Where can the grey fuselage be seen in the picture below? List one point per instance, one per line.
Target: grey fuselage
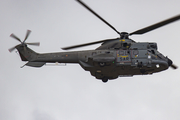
(121, 57)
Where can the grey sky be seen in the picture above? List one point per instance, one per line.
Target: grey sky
(70, 93)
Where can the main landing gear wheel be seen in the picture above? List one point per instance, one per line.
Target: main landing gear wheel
(105, 79)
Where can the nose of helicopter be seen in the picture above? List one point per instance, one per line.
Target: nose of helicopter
(169, 62)
(161, 64)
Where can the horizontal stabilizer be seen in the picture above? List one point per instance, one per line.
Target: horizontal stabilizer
(35, 64)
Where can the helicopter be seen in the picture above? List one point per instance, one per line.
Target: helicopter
(117, 57)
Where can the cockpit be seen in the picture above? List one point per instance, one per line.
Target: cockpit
(155, 54)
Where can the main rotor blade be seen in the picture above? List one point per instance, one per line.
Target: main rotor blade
(15, 37)
(174, 66)
(27, 35)
(83, 4)
(35, 43)
(86, 44)
(157, 25)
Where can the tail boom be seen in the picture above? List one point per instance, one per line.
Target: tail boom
(38, 60)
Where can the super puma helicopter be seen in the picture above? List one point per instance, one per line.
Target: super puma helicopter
(115, 57)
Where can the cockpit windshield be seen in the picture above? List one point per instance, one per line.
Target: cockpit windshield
(160, 55)
(155, 54)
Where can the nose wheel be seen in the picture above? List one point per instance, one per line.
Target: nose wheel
(105, 79)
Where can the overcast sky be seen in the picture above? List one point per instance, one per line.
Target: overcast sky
(69, 92)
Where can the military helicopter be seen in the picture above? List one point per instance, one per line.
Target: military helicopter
(115, 58)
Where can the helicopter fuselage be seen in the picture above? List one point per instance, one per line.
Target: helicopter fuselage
(125, 58)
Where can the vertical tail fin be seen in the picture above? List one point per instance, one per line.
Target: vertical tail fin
(29, 55)
(26, 53)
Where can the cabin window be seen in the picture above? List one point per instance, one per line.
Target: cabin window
(135, 52)
(127, 52)
(121, 52)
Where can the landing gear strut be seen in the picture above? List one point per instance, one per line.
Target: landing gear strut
(105, 79)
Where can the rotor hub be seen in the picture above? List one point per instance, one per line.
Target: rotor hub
(124, 35)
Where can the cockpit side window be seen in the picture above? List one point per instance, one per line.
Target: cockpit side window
(160, 55)
(152, 51)
(153, 54)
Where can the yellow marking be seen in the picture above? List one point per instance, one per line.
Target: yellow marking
(124, 56)
(122, 40)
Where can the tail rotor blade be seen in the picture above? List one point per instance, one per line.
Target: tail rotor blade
(27, 35)
(15, 37)
(23, 44)
(35, 43)
(11, 49)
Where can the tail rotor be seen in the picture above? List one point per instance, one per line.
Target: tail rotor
(23, 43)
